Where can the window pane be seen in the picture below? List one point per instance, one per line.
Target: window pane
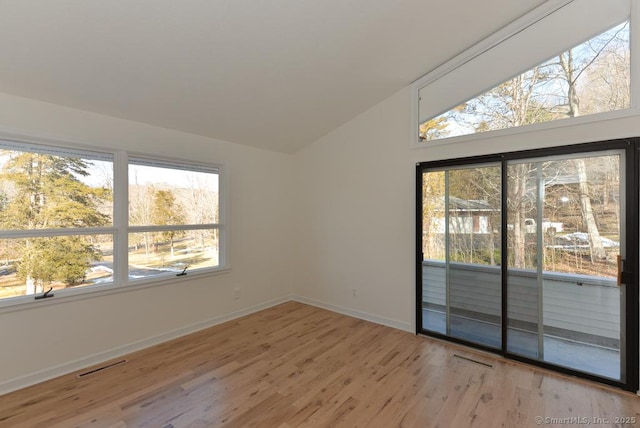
(169, 252)
(45, 191)
(433, 215)
(579, 219)
(461, 276)
(160, 196)
(565, 221)
(30, 266)
(590, 78)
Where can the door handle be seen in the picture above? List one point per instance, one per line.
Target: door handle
(620, 268)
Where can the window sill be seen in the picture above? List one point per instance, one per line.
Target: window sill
(21, 303)
(527, 129)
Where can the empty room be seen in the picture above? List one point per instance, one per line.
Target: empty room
(319, 213)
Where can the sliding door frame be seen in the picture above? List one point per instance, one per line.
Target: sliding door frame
(630, 275)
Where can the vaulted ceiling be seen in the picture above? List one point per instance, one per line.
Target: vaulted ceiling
(274, 74)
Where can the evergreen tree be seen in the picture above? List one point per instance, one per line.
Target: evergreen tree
(166, 212)
(47, 193)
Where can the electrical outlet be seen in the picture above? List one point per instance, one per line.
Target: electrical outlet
(236, 293)
(354, 292)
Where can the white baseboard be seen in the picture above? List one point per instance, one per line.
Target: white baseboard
(91, 360)
(400, 325)
(81, 363)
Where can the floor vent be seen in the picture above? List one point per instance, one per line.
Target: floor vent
(472, 360)
(101, 368)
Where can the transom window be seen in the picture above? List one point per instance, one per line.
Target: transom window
(590, 78)
(583, 72)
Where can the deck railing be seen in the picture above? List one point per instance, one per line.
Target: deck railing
(579, 307)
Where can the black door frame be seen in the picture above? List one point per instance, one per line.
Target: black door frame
(631, 147)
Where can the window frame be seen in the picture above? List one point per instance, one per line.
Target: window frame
(144, 160)
(495, 41)
(120, 228)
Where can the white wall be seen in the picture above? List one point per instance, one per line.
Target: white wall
(51, 337)
(356, 192)
(336, 217)
(356, 201)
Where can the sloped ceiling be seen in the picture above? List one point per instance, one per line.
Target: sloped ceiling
(274, 74)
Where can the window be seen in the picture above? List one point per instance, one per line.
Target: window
(173, 218)
(590, 78)
(458, 224)
(63, 220)
(568, 74)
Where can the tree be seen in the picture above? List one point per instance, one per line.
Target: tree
(201, 198)
(433, 129)
(516, 210)
(47, 193)
(560, 88)
(64, 259)
(479, 185)
(573, 67)
(596, 247)
(140, 208)
(592, 77)
(433, 215)
(608, 80)
(166, 212)
(596, 75)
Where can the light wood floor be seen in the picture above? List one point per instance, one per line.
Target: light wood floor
(294, 365)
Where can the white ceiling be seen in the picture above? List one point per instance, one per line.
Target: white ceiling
(275, 74)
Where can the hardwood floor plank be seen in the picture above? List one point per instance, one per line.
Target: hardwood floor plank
(295, 365)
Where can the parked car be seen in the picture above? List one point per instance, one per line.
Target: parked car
(580, 240)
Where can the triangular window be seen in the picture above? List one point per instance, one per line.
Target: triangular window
(592, 77)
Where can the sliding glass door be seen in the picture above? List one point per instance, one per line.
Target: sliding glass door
(533, 255)
(461, 248)
(564, 216)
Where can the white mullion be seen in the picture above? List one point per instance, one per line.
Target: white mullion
(121, 218)
(223, 225)
(170, 227)
(44, 233)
